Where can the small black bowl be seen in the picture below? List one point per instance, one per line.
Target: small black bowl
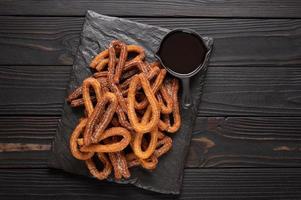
(185, 78)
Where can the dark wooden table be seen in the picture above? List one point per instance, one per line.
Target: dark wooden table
(247, 139)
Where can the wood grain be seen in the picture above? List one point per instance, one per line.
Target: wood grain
(24, 130)
(246, 142)
(237, 42)
(217, 142)
(33, 89)
(39, 41)
(205, 8)
(19, 147)
(228, 91)
(18, 129)
(253, 91)
(276, 183)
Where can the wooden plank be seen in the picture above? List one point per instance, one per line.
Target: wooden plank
(253, 91)
(39, 41)
(246, 142)
(27, 129)
(228, 91)
(206, 8)
(237, 42)
(33, 89)
(33, 133)
(271, 183)
(217, 142)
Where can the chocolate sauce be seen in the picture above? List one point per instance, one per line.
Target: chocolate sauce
(182, 52)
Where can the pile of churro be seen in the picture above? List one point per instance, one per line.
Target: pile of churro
(130, 107)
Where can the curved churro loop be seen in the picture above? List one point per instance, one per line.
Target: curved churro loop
(163, 97)
(139, 127)
(73, 142)
(163, 146)
(130, 48)
(74, 98)
(80, 102)
(151, 162)
(86, 93)
(106, 117)
(137, 144)
(112, 147)
(176, 110)
(99, 119)
(122, 58)
(155, 87)
(165, 125)
(107, 167)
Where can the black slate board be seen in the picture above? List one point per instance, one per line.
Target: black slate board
(98, 31)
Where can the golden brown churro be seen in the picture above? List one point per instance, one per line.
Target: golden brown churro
(129, 104)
